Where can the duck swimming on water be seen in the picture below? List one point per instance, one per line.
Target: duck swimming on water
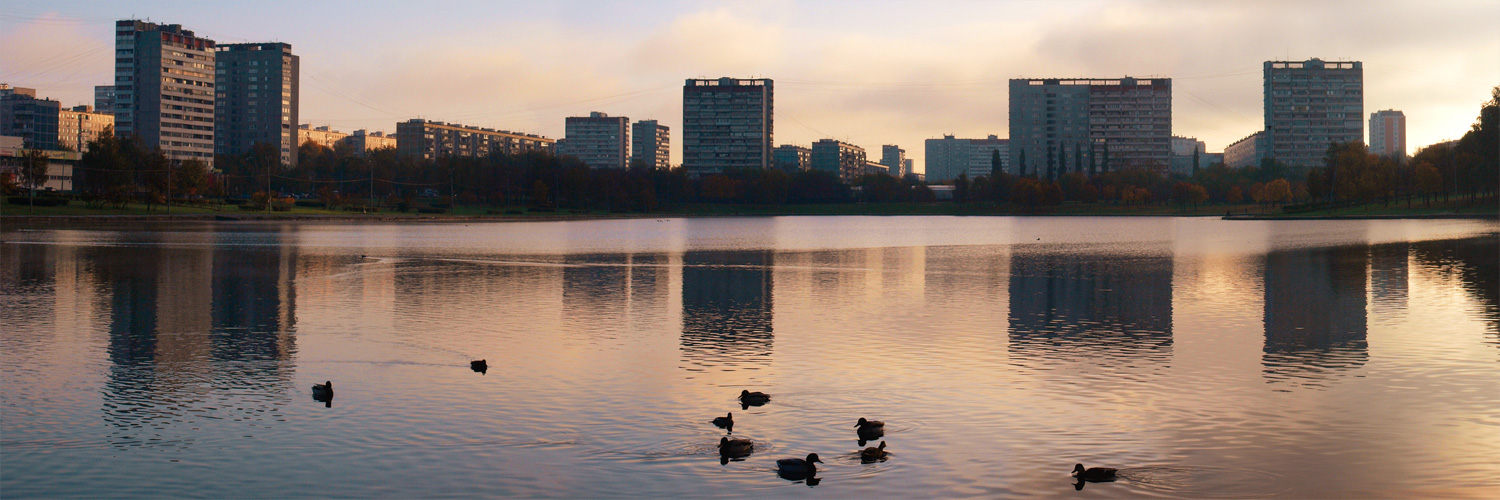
(1094, 474)
(799, 466)
(868, 430)
(479, 366)
(873, 453)
(724, 421)
(748, 399)
(735, 447)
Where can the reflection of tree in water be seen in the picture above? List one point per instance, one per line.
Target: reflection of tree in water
(726, 307)
(1314, 314)
(1476, 264)
(1114, 310)
(196, 337)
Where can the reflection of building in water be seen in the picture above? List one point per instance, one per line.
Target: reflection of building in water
(1474, 263)
(726, 307)
(254, 300)
(606, 294)
(1315, 313)
(1090, 306)
(1388, 274)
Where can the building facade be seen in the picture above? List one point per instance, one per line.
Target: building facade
(907, 167)
(651, 144)
(322, 136)
(1246, 152)
(79, 126)
(948, 157)
(257, 98)
(59, 163)
(838, 157)
(892, 156)
(792, 158)
(164, 88)
(1388, 134)
(1310, 105)
(104, 99)
(982, 156)
(1058, 125)
(727, 123)
(34, 120)
(1185, 151)
(598, 140)
(428, 139)
(363, 142)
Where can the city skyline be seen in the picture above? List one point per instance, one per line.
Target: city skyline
(943, 70)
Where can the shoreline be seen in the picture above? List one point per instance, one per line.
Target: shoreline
(107, 218)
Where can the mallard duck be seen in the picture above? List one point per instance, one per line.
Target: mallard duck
(873, 453)
(724, 421)
(735, 447)
(869, 429)
(479, 366)
(801, 466)
(323, 390)
(754, 398)
(1094, 474)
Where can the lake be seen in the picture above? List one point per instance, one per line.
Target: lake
(1202, 357)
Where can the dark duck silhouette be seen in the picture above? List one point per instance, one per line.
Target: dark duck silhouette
(735, 447)
(323, 393)
(725, 422)
(748, 399)
(873, 453)
(479, 366)
(1094, 474)
(869, 430)
(798, 468)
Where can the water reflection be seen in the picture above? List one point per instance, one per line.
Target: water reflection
(726, 308)
(1107, 309)
(1475, 263)
(1314, 314)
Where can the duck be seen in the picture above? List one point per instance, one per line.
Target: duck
(735, 447)
(1094, 474)
(873, 453)
(323, 390)
(869, 429)
(724, 421)
(479, 366)
(754, 398)
(799, 466)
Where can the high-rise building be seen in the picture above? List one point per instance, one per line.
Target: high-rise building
(1310, 105)
(428, 139)
(892, 156)
(1388, 133)
(1246, 152)
(257, 92)
(1113, 124)
(792, 158)
(79, 126)
(726, 123)
(840, 158)
(598, 140)
(651, 144)
(950, 156)
(164, 88)
(33, 120)
(907, 167)
(104, 99)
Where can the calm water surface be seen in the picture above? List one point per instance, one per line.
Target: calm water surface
(1205, 358)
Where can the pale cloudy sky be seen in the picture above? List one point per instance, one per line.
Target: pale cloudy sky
(868, 72)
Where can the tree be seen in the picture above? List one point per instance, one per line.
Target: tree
(1278, 191)
(1023, 163)
(995, 169)
(961, 188)
(33, 173)
(191, 178)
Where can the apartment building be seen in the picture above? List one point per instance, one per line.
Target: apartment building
(432, 139)
(164, 88)
(257, 93)
(1310, 105)
(727, 123)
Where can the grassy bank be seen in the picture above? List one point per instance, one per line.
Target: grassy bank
(134, 210)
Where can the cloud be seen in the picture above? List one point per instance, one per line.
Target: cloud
(711, 43)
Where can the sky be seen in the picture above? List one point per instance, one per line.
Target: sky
(871, 72)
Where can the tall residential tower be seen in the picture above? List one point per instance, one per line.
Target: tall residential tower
(1310, 105)
(651, 143)
(726, 123)
(257, 89)
(1060, 125)
(1388, 133)
(164, 88)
